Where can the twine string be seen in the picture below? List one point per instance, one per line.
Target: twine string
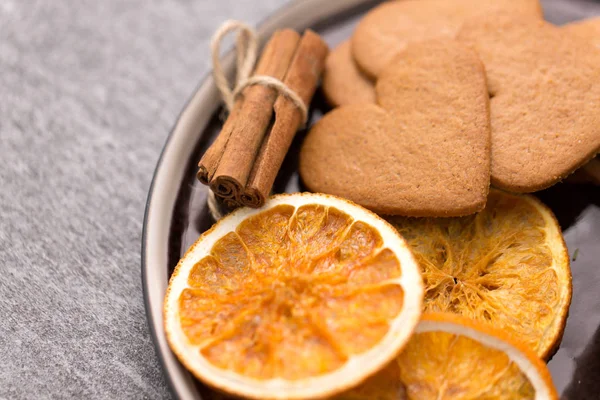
(246, 54)
(213, 206)
(246, 48)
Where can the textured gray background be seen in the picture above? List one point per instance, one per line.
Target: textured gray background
(88, 93)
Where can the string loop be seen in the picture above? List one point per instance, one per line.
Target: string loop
(246, 54)
(213, 206)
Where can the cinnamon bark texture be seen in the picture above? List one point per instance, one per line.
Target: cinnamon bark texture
(302, 77)
(212, 156)
(253, 118)
(242, 163)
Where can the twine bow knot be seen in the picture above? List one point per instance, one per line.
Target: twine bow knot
(246, 53)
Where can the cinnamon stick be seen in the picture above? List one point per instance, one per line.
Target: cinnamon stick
(209, 161)
(231, 203)
(302, 77)
(254, 116)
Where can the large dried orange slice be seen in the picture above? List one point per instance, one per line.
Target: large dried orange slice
(302, 298)
(450, 357)
(507, 265)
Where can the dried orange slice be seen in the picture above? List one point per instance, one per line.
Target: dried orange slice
(451, 357)
(507, 265)
(303, 298)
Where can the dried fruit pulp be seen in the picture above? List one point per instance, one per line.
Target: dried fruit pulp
(506, 265)
(452, 358)
(440, 365)
(315, 281)
(443, 366)
(457, 367)
(295, 292)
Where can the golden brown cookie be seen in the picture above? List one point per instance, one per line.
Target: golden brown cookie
(423, 150)
(545, 105)
(386, 29)
(343, 82)
(588, 29)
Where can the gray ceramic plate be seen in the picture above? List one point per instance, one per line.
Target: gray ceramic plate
(176, 211)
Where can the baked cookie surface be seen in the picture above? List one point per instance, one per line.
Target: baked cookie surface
(389, 27)
(588, 29)
(423, 150)
(545, 99)
(343, 83)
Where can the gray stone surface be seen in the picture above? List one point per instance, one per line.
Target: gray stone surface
(88, 93)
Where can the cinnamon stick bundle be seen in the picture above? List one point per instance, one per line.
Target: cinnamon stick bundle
(302, 77)
(242, 163)
(226, 164)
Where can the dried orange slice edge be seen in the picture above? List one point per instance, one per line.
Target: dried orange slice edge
(356, 368)
(450, 357)
(507, 265)
(528, 362)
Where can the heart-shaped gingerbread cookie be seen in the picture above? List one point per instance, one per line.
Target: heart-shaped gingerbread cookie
(424, 150)
(545, 105)
(343, 83)
(587, 29)
(389, 27)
